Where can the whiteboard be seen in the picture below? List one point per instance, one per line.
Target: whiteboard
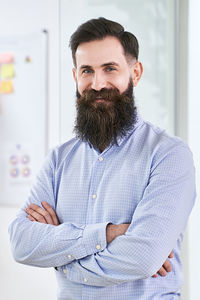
(23, 116)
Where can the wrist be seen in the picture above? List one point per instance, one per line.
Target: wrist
(110, 232)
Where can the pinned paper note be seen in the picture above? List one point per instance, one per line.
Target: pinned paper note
(6, 58)
(28, 59)
(7, 71)
(6, 87)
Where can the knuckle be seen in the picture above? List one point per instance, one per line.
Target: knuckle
(56, 222)
(169, 268)
(164, 273)
(168, 265)
(46, 214)
(32, 213)
(51, 211)
(40, 218)
(33, 206)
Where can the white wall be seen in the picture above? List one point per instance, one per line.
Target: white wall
(194, 142)
(18, 17)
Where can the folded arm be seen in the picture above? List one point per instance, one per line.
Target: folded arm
(157, 223)
(46, 245)
(158, 220)
(48, 216)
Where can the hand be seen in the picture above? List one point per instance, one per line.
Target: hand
(45, 215)
(112, 231)
(166, 267)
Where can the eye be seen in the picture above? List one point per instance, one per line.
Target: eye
(86, 71)
(110, 69)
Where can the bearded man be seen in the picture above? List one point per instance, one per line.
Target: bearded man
(109, 207)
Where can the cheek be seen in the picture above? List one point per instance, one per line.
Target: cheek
(121, 83)
(121, 80)
(82, 85)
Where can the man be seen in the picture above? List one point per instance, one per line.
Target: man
(109, 206)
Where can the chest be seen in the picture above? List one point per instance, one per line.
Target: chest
(99, 190)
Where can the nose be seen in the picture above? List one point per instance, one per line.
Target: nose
(98, 82)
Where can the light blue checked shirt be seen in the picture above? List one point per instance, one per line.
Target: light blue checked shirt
(146, 180)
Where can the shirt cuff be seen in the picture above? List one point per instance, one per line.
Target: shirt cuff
(92, 240)
(94, 237)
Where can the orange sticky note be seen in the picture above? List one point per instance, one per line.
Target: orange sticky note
(6, 87)
(7, 71)
(6, 58)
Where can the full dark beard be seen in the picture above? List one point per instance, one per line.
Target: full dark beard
(102, 123)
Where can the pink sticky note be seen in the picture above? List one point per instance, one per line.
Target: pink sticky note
(6, 58)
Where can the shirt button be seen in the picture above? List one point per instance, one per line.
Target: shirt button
(94, 196)
(69, 256)
(64, 271)
(100, 158)
(98, 247)
(85, 280)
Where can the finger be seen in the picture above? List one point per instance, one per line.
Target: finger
(171, 255)
(51, 212)
(36, 215)
(162, 272)
(30, 218)
(42, 212)
(155, 275)
(167, 266)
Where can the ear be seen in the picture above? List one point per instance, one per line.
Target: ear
(137, 70)
(74, 74)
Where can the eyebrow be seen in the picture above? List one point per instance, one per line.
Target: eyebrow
(85, 67)
(103, 65)
(110, 64)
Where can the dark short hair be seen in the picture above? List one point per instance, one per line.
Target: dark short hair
(98, 29)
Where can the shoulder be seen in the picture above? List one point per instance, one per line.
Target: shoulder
(159, 139)
(57, 155)
(164, 147)
(154, 144)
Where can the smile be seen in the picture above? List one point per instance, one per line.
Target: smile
(100, 100)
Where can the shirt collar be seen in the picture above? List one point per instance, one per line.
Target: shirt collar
(138, 122)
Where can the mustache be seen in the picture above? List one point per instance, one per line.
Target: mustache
(90, 96)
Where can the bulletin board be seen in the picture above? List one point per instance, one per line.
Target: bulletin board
(23, 113)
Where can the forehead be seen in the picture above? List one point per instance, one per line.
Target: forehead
(99, 52)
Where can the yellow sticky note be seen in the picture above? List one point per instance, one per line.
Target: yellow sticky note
(7, 71)
(6, 87)
(6, 58)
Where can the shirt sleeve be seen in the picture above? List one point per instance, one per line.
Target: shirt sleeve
(45, 245)
(158, 221)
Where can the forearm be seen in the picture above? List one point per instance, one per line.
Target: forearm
(45, 245)
(126, 258)
(113, 231)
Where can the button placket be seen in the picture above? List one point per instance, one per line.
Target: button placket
(96, 174)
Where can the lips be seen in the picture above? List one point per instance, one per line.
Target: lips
(100, 100)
